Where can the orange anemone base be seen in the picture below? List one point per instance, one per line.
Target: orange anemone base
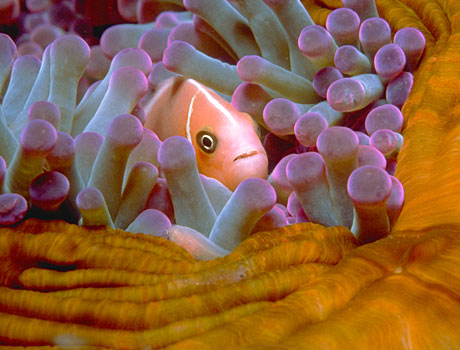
(302, 286)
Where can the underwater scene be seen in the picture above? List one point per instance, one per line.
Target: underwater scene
(229, 174)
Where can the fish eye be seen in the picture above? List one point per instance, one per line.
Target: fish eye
(207, 141)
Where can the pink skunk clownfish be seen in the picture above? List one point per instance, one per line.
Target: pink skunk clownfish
(226, 141)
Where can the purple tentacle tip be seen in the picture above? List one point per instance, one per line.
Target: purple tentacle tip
(13, 208)
(39, 137)
(49, 190)
(175, 153)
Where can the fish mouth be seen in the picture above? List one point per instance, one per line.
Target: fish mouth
(246, 155)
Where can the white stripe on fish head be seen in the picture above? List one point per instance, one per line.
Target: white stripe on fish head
(189, 117)
(214, 102)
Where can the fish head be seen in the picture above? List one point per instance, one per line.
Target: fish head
(226, 141)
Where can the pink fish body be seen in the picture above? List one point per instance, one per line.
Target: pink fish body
(226, 141)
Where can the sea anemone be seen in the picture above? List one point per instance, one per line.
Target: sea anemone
(79, 152)
(297, 78)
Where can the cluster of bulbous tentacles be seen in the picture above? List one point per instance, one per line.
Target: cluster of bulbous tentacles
(327, 100)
